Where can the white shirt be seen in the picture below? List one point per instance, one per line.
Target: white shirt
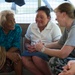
(51, 33)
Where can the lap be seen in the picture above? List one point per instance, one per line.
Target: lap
(56, 64)
(39, 54)
(8, 66)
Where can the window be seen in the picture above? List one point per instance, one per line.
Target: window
(52, 4)
(23, 14)
(27, 12)
(73, 2)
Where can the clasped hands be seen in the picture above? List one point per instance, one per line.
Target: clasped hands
(15, 57)
(38, 46)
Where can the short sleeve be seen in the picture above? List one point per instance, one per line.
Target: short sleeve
(63, 38)
(27, 35)
(56, 34)
(71, 37)
(16, 40)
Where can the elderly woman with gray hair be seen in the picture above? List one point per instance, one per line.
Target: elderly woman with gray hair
(10, 34)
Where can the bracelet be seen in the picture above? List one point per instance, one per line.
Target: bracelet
(43, 49)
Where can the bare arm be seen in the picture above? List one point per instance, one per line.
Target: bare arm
(61, 53)
(54, 45)
(13, 49)
(26, 43)
(28, 46)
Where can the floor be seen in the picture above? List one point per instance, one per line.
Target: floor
(25, 72)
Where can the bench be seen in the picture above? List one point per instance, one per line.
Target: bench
(24, 29)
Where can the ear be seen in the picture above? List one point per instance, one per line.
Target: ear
(49, 18)
(63, 14)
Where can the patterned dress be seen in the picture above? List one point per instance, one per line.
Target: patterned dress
(12, 39)
(68, 38)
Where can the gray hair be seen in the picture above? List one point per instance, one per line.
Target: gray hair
(3, 15)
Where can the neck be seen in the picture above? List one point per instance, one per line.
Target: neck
(42, 28)
(69, 23)
(5, 31)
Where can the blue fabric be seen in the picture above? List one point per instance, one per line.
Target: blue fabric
(12, 39)
(39, 54)
(18, 2)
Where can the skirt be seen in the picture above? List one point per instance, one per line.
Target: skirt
(39, 54)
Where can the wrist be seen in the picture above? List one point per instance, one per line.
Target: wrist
(43, 49)
(8, 54)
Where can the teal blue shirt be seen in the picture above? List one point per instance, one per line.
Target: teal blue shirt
(12, 39)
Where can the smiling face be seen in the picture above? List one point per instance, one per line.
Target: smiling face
(42, 19)
(60, 17)
(65, 14)
(9, 23)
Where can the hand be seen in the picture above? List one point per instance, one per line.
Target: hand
(39, 45)
(70, 63)
(31, 48)
(15, 57)
(69, 69)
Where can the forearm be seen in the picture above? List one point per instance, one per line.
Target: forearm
(13, 49)
(54, 45)
(26, 45)
(53, 52)
(61, 53)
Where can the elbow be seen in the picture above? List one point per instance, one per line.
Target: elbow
(63, 56)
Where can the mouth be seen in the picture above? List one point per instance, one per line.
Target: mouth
(13, 27)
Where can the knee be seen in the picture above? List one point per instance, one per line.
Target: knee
(37, 59)
(25, 59)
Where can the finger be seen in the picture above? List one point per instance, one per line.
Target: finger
(19, 56)
(66, 67)
(61, 73)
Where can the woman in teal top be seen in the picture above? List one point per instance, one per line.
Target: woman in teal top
(10, 34)
(12, 39)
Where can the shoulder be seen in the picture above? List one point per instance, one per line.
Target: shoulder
(33, 25)
(0, 28)
(18, 28)
(53, 25)
(72, 29)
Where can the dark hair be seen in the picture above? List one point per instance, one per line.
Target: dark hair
(45, 9)
(68, 8)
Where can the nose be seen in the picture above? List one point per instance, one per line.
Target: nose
(38, 19)
(13, 21)
(56, 19)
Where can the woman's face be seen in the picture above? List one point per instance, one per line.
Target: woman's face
(10, 22)
(60, 18)
(42, 19)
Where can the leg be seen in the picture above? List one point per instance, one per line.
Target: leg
(28, 63)
(18, 67)
(42, 65)
(57, 64)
